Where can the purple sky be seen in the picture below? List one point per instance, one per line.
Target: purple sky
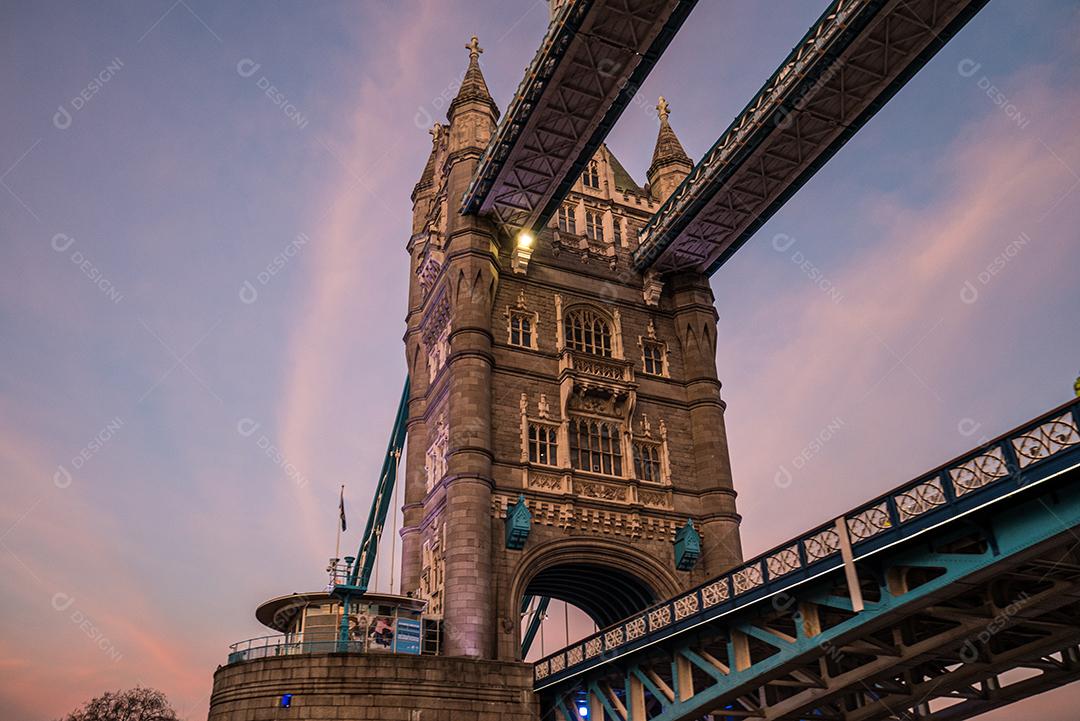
(148, 180)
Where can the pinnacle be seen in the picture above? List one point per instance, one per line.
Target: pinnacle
(668, 148)
(473, 86)
(427, 177)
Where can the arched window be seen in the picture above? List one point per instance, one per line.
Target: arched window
(596, 446)
(647, 462)
(594, 225)
(567, 223)
(521, 329)
(591, 177)
(543, 444)
(588, 332)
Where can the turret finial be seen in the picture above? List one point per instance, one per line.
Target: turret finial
(663, 110)
(474, 48)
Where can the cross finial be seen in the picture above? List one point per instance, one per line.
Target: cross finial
(662, 109)
(474, 48)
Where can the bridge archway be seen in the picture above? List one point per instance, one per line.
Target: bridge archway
(606, 580)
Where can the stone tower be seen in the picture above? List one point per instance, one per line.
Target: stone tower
(552, 370)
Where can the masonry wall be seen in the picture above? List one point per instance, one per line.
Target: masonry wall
(474, 395)
(389, 688)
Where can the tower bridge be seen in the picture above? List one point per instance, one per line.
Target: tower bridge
(563, 434)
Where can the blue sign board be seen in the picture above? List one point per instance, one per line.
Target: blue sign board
(407, 638)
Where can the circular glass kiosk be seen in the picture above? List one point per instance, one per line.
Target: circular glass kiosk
(310, 623)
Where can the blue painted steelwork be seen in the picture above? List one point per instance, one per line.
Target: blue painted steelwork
(518, 524)
(1016, 529)
(360, 572)
(534, 622)
(989, 487)
(687, 547)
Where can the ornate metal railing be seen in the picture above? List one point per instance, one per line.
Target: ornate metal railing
(1028, 455)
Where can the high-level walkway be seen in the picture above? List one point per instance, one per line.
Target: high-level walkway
(850, 63)
(589, 66)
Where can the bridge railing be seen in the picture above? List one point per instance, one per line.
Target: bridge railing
(1029, 454)
(281, 645)
(294, 644)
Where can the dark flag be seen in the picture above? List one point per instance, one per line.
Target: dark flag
(341, 508)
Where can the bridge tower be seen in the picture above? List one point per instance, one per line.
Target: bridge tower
(546, 371)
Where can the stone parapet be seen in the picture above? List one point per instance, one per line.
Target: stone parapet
(369, 686)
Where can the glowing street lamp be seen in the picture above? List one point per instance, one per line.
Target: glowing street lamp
(523, 248)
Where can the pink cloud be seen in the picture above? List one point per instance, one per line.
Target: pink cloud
(996, 182)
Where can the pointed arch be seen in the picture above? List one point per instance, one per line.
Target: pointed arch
(588, 329)
(689, 339)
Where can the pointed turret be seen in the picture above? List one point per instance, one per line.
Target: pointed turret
(473, 87)
(427, 177)
(670, 163)
(424, 191)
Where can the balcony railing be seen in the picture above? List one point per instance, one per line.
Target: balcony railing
(601, 368)
(279, 645)
(295, 644)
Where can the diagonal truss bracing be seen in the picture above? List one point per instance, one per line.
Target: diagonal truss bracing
(593, 59)
(856, 56)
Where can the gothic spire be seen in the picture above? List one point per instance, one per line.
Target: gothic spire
(473, 87)
(668, 148)
(670, 163)
(427, 178)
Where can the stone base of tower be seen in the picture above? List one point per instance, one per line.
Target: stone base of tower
(369, 686)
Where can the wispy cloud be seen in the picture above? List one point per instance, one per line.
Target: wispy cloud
(906, 341)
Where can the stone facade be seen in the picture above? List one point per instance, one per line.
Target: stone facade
(358, 686)
(568, 378)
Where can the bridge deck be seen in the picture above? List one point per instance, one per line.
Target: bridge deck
(963, 574)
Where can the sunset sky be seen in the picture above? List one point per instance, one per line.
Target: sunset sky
(203, 289)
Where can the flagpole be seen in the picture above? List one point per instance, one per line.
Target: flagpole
(337, 545)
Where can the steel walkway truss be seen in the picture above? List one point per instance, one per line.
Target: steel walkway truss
(593, 59)
(852, 61)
